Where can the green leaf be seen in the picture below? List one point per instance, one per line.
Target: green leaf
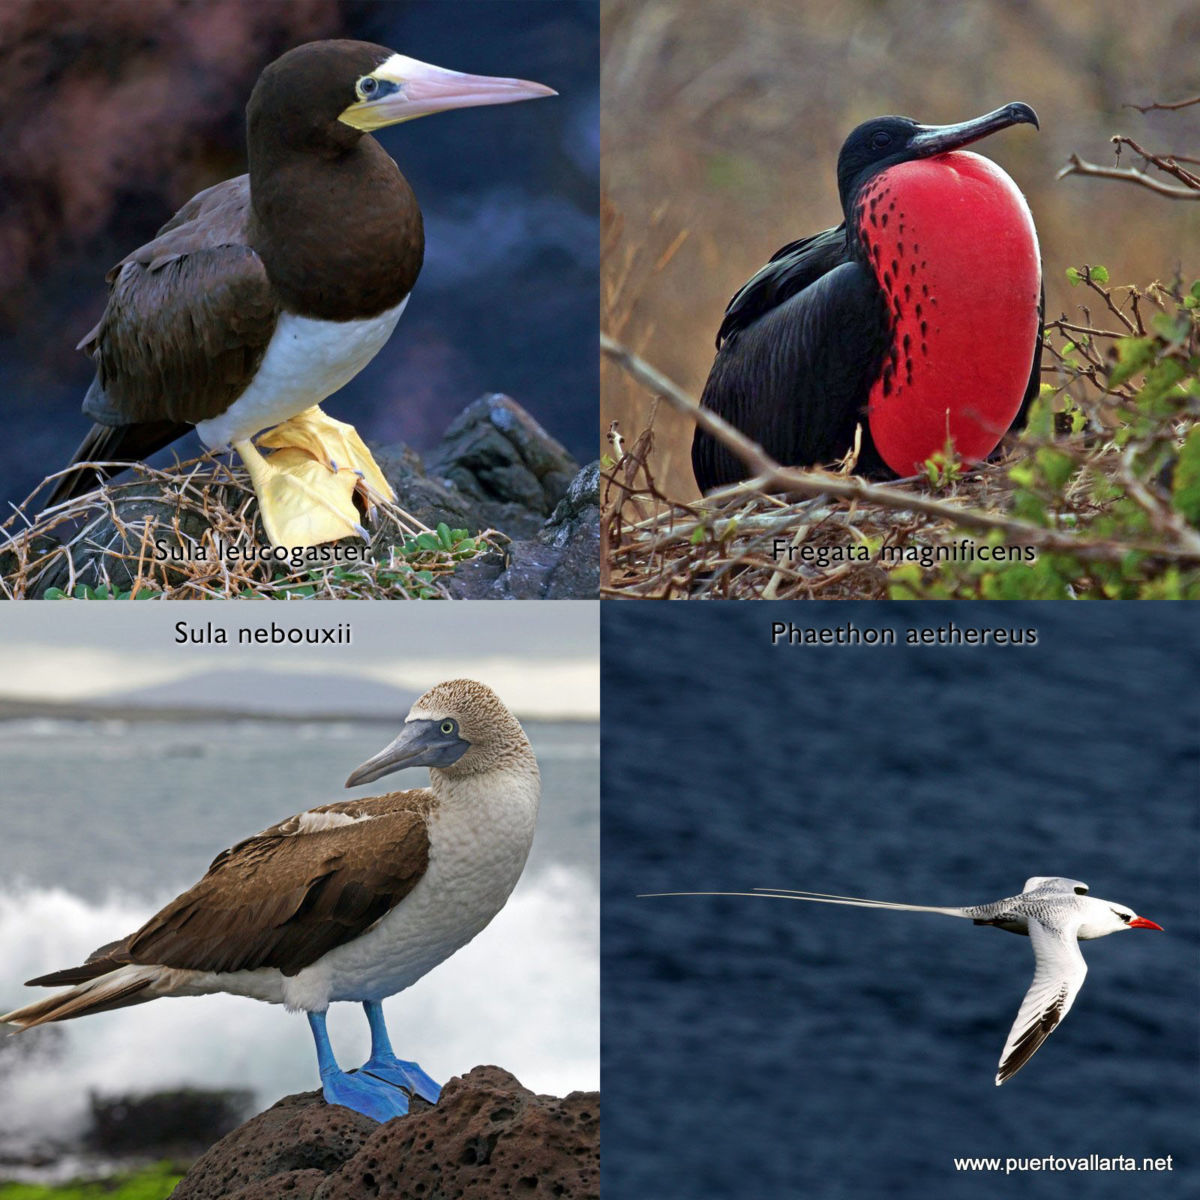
(1056, 467)
(1100, 274)
(1073, 277)
(1185, 490)
(1133, 354)
(1040, 421)
(1160, 383)
(428, 541)
(443, 533)
(1172, 328)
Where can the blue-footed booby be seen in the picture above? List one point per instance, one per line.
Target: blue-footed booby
(267, 293)
(350, 901)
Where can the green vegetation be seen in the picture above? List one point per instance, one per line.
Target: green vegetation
(1110, 457)
(418, 561)
(151, 1183)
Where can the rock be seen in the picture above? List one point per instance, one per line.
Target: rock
(561, 563)
(176, 1123)
(495, 469)
(487, 1137)
(497, 454)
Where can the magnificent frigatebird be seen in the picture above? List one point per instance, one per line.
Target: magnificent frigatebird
(266, 293)
(918, 317)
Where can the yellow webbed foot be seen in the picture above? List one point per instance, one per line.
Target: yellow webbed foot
(330, 442)
(300, 500)
(306, 487)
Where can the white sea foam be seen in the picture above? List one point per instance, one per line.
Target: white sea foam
(524, 995)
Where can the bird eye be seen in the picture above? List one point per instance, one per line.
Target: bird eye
(880, 138)
(367, 86)
(1081, 891)
(447, 726)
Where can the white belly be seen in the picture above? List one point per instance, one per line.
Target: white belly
(477, 853)
(306, 360)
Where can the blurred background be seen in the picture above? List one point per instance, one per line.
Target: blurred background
(114, 115)
(722, 124)
(757, 1047)
(130, 760)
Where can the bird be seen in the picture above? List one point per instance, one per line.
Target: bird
(351, 901)
(267, 293)
(915, 323)
(1055, 913)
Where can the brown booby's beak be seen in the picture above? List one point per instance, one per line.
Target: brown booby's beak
(403, 88)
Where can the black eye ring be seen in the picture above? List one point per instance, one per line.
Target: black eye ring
(880, 138)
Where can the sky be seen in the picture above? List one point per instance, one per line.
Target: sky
(542, 659)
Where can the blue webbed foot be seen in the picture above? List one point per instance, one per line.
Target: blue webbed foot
(366, 1095)
(402, 1074)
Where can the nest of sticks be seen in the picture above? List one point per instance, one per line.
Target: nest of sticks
(168, 533)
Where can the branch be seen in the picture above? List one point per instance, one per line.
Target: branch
(1077, 166)
(1144, 108)
(767, 475)
(1164, 162)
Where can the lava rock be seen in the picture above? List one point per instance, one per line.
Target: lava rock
(498, 455)
(487, 1137)
(560, 563)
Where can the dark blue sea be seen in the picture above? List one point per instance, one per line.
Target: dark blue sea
(762, 1048)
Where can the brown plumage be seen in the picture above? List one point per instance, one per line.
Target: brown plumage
(347, 902)
(281, 898)
(324, 225)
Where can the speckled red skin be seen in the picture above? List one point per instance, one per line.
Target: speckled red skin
(952, 243)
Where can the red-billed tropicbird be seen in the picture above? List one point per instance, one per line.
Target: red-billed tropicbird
(1056, 914)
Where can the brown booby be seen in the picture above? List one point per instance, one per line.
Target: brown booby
(266, 293)
(350, 901)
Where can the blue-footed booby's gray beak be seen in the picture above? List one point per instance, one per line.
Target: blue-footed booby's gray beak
(420, 744)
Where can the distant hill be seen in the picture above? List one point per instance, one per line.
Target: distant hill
(270, 693)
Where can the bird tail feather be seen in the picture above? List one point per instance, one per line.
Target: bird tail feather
(116, 989)
(119, 446)
(821, 898)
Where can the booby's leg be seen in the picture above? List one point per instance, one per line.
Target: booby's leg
(383, 1064)
(301, 501)
(361, 1093)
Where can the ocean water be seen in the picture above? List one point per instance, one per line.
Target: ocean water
(103, 822)
(757, 1047)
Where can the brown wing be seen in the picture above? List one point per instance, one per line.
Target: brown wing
(188, 321)
(285, 896)
(284, 900)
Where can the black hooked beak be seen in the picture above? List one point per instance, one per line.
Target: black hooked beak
(941, 139)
